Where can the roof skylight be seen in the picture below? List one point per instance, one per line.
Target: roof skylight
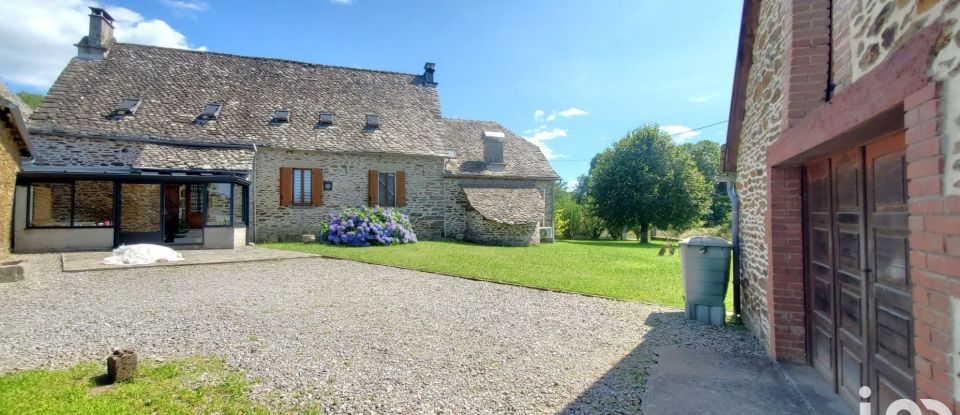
(281, 115)
(326, 118)
(373, 120)
(211, 111)
(128, 106)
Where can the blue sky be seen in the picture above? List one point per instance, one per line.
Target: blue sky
(600, 68)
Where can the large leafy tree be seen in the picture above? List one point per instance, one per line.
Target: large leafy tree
(644, 179)
(706, 154)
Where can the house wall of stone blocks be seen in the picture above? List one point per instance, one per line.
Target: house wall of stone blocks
(9, 166)
(786, 87)
(425, 195)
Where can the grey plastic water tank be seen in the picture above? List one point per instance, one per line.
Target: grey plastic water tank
(705, 265)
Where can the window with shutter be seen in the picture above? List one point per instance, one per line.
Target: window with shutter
(372, 179)
(387, 190)
(302, 187)
(401, 188)
(286, 186)
(316, 189)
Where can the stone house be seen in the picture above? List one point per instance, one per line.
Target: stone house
(146, 144)
(844, 139)
(14, 143)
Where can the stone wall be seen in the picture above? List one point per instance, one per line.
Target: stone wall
(9, 166)
(762, 124)
(425, 196)
(457, 207)
(487, 232)
(883, 26)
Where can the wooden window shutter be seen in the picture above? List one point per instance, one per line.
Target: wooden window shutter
(401, 193)
(373, 179)
(286, 186)
(316, 187)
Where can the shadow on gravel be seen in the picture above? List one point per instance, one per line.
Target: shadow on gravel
(621, 389)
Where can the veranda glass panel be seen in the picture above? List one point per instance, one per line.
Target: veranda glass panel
(50, 204)
(218, 204)
(140, 209)
(93, 203)
(239, 201)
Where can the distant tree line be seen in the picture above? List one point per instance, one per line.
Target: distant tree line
(644, 180)
(33, 100)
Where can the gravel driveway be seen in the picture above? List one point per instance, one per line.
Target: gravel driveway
(352, 337)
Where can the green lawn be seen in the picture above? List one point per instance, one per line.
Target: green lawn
(190, 386)
(617, 269)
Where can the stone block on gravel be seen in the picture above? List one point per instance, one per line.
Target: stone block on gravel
(11, 271)
(121, 365)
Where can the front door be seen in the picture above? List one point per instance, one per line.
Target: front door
(168, 213)
(859, 307)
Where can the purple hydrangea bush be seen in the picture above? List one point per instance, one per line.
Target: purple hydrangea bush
(365, 226)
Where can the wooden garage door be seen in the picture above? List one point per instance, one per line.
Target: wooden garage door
(859, 307)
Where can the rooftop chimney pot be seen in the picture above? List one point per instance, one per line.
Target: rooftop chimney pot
(96, 44)
(428, 69)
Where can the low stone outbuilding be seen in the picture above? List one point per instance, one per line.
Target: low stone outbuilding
(504, 216)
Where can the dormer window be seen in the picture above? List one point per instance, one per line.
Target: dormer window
(128, 106)
(211, 111)
(281, 116)
(373, 120)
(493, 150)
(326, 118)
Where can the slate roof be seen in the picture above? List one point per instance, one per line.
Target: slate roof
(8, 95)
(54, 151)
(13, 113)
(175, 84)
(506, 205)
(522, 158)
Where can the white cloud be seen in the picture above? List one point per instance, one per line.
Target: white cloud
(573, 112)
(540, 135)
(188, 5)
(680, 133)
(572, 184)
(700, 99)
(343, 2)
(38, 37)
(538, 115)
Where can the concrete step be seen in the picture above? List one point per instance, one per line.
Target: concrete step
(697, 382)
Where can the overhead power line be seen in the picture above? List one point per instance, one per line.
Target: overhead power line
(671, 135)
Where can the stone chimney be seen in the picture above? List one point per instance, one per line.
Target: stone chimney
(493, 151)
(96, 44)
(428, 69)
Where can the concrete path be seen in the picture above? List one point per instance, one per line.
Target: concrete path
(705, 382)
(93, 261)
